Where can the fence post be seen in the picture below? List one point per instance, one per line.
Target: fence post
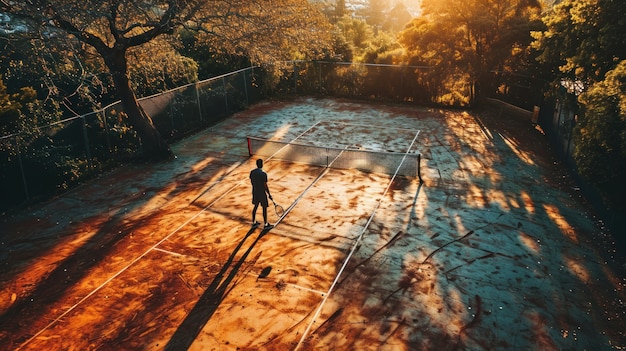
(198, 101)
(103, 115)
(402, 72)
(295, 78)
(19, 157)
(171, 113)
(225, 94)
(320, 86)
(245, 86)
(87, 149)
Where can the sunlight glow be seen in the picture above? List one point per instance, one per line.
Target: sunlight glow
(455, 303)
(577, 269)
(539, 330)
(460, 227)
(514, 203)
(45, 264)
(530, 242)
(553, 212)
(499, 198)
(524, 156)
(539, 129)
(475, 196)
(200, 165)
(529, 205)
(281, 132)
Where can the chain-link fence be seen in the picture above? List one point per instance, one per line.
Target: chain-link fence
(401, 83)
(52, 158)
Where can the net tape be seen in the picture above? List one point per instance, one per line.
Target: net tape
(363, 160)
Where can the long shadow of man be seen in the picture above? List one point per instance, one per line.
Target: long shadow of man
(208, 303)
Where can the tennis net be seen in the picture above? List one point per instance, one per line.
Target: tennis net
(364, 160)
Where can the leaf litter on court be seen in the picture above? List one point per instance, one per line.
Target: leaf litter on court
(495, 250)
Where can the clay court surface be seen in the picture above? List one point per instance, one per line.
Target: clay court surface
(494, 251)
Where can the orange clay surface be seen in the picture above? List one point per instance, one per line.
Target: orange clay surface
(494, 251)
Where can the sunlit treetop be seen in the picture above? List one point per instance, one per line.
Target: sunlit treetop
(257, 28)
(584, 38)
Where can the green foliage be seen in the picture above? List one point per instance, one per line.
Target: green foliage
(469, 39)
(120, 33)
(397, 19)
(210, 61)
(9, 109)
(22, 113)
(584, 45)
(601, 136)
(584, 39)
(357, 32)
(54, 68)
(157, 66)
(357, 41)
(343, 50)
(382, 48)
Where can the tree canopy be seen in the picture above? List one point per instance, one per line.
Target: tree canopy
(584, 44)
(112, 29)
(467, 40)
(584, 39)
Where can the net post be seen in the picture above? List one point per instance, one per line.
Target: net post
(249, 147)
(419, 167)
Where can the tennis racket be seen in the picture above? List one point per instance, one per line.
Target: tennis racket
(280, 211)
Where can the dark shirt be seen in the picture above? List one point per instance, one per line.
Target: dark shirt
(258, 178)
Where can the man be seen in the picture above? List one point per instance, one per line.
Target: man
(258, 178)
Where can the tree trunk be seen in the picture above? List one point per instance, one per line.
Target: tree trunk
(154, 146)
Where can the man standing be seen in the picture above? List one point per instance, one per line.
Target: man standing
(258, 178)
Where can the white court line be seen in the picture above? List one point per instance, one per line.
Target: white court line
(295, 202)
(153, 247)
(169, 252)
(292, 140)
(354, 247)
(125, 268)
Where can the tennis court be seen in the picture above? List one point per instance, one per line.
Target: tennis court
(484, 253)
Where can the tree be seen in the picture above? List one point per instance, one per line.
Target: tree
(470, 39)
(584, 39)
(357, 32)
(111, 29)
(9, 109)
(600, 152)
(340, 9)
(375, 12)
(398, 17)
(160, 65)
(584, 44)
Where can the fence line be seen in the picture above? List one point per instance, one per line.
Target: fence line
(56, 156)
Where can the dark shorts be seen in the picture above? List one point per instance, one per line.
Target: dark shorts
(260, 198)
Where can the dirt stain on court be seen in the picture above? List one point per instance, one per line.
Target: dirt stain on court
(494, 250)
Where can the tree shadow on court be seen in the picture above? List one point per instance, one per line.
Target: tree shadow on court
(469, 262)
(28, 313)
(24, 315)
(210, 301)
